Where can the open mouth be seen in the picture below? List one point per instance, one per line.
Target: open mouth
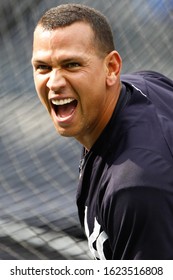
(64, 108)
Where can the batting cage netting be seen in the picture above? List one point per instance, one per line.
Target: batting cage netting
(38, 168)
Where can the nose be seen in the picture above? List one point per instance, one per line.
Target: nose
(56, 80)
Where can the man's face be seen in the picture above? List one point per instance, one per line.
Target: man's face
(70, 79)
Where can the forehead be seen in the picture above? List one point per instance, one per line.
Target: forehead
(77, 37)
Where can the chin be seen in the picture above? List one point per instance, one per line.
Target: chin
(64, 132)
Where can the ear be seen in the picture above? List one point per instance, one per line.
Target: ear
(113, 67)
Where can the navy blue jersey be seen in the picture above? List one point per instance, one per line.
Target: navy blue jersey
(125, 193)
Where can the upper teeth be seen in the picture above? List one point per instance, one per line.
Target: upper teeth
(62, 101)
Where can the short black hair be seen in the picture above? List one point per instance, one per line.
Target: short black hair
(67, 14)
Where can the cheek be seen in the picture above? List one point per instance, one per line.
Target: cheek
(40, 85)
(37, 84)
(92, 105)
(95, 97)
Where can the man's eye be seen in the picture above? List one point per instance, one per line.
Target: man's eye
(72, 65)
(42, 68)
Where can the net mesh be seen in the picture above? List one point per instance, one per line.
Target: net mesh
(39, 169)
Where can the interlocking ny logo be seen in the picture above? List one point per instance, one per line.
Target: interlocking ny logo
(97, 237)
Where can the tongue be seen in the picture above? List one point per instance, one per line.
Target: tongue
(67, 109)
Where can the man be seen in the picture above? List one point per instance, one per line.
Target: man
(125, 124)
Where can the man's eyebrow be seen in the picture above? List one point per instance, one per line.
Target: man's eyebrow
(61, 60)
(70, 59)
(37, 61)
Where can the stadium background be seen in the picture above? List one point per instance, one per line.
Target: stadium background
(39, 169)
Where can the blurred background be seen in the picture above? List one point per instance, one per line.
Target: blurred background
(38, 168)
